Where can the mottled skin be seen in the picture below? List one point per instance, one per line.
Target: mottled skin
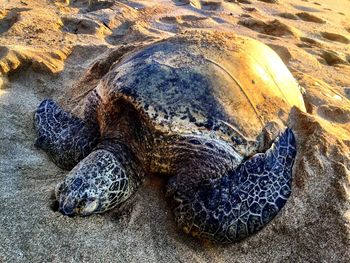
(240, 202)
(60, 134)
(169, 110)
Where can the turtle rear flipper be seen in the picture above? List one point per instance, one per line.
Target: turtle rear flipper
(65, 137)
(242, 201)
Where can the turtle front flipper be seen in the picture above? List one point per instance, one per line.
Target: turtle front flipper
(243, 200)
(66, 138)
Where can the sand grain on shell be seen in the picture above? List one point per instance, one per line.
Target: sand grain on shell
(49, 49)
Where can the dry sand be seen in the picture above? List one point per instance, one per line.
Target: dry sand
(46, 48)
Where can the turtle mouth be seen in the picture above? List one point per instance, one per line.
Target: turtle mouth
(67, 205)
(71, 207)
(67, 209)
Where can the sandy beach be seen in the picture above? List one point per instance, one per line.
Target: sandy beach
(51, 49)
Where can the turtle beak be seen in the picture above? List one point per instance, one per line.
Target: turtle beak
(72, 207)
(67, 208)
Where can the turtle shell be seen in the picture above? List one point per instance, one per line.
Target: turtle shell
(192, 82)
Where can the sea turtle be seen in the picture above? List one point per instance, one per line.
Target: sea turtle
(193, 108)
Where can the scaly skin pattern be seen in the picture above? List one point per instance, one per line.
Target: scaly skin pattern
(214, 193)
(66, 138)
(243, 200)
(193, 159)
(98, 183)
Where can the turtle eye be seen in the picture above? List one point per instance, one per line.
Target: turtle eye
(81, 205)
(79, 209)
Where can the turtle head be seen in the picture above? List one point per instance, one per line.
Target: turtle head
(78, 197)
(98, 183)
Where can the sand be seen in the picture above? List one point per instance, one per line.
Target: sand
(50, 49)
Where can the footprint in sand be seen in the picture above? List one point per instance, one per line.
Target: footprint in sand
(133, 31)
(335, 37)
(269, 1)
(83, 26)
(288, 16)
(241, 1)
(3, 52)
(333, 58)
(211, 5)
(305, 16)
(334, 113)
(14, 58)
(98, 5)
(185, 19)
(246, 15)
(306, 8)
(309, 42)
(9, 17)
(250, 9)
(347, 92)
(175, 23)
(208, 5)
(182, 2)
(273, 28)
